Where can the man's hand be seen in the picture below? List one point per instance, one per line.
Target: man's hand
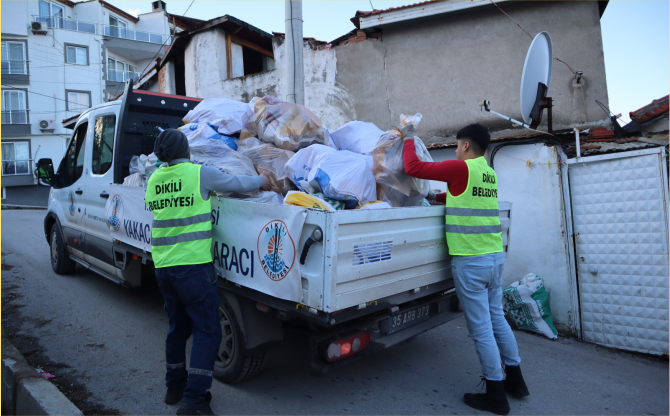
(267, 185)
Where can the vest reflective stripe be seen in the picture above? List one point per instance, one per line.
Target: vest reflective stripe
(181, 238)
(182, 222)
(472, 218)
(471, 212)
(182, 229)
(473, 229)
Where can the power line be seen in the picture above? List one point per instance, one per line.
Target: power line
(43, 95)
(530, 36)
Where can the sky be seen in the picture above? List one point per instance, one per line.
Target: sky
(635, 36)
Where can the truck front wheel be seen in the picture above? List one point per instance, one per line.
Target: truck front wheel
(233, 364)
(60, 260)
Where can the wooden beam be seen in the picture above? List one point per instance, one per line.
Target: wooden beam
(250, 45)
(229, 56)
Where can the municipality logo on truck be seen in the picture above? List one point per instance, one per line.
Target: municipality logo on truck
(115, 212)
(276, 250)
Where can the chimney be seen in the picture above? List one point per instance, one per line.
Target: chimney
(157, 6)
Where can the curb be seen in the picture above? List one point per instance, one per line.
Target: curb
(25, 392)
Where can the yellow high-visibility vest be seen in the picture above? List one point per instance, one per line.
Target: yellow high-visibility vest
(472, 218)
(182, 229)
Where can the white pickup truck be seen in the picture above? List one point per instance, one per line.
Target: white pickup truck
(358, 280)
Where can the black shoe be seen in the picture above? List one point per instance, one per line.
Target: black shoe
(201, 408)
(514, 384)
(173, 396)
(494, 400)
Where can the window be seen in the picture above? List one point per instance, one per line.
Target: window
(51, 13)
(103, 144)
(14, 58)
(76, 55)
(120, 71)
(118, 27)
(72, 166)
(15, 158)
(14, 107)
(78, 100)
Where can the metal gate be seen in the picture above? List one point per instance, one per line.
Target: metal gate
(620, 220)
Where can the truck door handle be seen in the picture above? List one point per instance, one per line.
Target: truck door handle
(104, 194)
(78, 192)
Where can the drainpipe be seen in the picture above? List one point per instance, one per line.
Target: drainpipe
(295, 75)
(579, 145)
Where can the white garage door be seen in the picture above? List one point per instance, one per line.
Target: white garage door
(620, 218)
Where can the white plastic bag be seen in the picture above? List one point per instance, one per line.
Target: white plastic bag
(216, 154)
(298, 167)
(527, 303)
(199, 132)
(248, 143)
(357, 136)
(288, 126)
(134, 179)
(137, 165)
(411, 120)
(344, 176)
(228, 116)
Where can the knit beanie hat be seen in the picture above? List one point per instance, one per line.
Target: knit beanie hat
(171, 144)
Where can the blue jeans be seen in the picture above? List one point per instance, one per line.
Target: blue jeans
(478, 281)
(192, 303)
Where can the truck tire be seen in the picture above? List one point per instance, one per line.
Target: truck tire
(232, 363)
(60, 259)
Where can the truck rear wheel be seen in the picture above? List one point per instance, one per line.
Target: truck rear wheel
(233, 364)
(60, 259)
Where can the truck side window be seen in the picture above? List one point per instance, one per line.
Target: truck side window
(72, 165)
(103, 144)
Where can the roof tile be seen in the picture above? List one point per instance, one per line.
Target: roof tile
(650, 111)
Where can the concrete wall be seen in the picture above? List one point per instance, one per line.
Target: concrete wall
(15, 18)
(442, 66)
(537, 241)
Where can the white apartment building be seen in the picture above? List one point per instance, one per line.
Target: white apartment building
(59, 58)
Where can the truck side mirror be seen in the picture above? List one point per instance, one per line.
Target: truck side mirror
(45, 172)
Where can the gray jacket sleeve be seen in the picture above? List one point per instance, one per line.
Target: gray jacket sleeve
(212, 179)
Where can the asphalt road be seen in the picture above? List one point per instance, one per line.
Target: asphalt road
(109, 339)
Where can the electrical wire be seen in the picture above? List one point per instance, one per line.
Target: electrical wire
(373, 7)
(530, 36)
(524, 141)
(43, 95)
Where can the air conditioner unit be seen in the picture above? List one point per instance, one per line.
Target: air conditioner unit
(47, 125)
(38, 28)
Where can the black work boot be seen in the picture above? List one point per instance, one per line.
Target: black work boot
(173, 396)
(494, 400)
(514, 384)
(201, 408)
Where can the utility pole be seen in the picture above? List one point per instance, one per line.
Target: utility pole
(295, 74)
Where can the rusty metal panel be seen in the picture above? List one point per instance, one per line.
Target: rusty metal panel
(620, 220)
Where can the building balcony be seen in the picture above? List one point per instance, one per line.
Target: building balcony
(15, 122)
(67, 24)
(122, 76)
(15, 72)
(137, 35)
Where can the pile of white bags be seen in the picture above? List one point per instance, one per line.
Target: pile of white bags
(201, 132)
(226, 115)
(269, 161)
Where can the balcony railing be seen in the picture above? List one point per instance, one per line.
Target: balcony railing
(67, 24)
(123, 33)
(10, 67)
(15, 117)
(122, 76)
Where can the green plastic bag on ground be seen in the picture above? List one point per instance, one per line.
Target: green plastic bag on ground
(527, 303)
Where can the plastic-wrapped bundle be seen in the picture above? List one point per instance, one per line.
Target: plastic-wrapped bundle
(393, 184)
(344, 176)
(270, 160)
(288, 126)
(357, 136)
(197, 132)
(299, 166)
(213, 153)
(248, 143)
(228, 116)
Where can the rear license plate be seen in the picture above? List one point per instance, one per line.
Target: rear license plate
(407, 318)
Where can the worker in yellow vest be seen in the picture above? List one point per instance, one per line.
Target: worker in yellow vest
(181, 239)
(474, 240)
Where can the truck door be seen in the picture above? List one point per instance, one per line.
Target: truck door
(71, 197)
(99, 174)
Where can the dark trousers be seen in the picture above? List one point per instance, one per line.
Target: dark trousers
(192, 303)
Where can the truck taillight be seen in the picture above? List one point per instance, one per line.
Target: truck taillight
(346, 347)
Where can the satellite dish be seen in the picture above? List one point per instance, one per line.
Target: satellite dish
(536, 77)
